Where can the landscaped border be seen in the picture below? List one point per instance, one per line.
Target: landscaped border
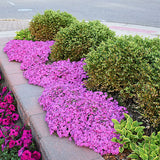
(51, 146)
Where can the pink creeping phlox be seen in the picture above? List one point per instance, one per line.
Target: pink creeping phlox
(27, 52)
(72, 110)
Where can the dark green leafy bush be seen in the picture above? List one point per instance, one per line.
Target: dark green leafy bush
(76, 40)
(45, 27)
(24, 34)
(130, 67)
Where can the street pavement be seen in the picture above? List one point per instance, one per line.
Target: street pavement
(140, 12)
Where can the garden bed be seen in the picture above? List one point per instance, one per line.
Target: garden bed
(86, 72)
(32, 114)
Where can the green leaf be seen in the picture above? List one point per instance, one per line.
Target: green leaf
(124, 131)
(129, 123)
(157, 150)
(115, 121)
(139, 129)
(156, 158)
(146, 137)
(125, 140)
(132, 146)
(121, 149)
(114, 139)
(153, 154)
(126, 146)
(133, 156)
(146, 147)
(154, 146)
(144, 156)
(128, 133)
(135, 124)
(126, 115)
(119, 131)
(117, 127)
(123, 124)
(140, 134)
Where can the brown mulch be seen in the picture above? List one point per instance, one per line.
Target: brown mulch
(120, 156)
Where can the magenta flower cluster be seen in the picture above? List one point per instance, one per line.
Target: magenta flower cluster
(12, 135)
(28, 53)
(71, 110)
(7, 109)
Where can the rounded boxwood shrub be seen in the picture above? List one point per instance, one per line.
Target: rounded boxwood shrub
(76, 40)
(45, 26)
(130, 67)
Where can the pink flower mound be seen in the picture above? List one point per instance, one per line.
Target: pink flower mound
(72, 110)
(28, 53)
(83, 115)
(45, 75)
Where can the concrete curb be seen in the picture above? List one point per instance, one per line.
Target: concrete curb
(31, 113)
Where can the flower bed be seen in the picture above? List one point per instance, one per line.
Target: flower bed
(93, 118)
(72, 110)
(15, 141)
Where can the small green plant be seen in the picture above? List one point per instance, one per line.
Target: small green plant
(45, 26)
(132, 137)
(130, 132)
(24, 34)
(148, 149)
(75, 41)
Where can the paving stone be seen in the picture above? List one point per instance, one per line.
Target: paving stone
(3, 41)
(27, 90)
(17, 79)
(13, 24)
(9, 67)
(39, 126)
(29, 106)
(56, 148)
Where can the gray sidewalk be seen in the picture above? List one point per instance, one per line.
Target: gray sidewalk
(8, 27)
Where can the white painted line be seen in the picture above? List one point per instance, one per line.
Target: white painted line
(11, 3)
(24, 10)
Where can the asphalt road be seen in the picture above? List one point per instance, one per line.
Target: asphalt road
(140, 12)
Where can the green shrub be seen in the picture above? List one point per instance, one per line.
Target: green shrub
(44, 27)
(132, 137)
(130, 67)
(24, 34)
(76, 40)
